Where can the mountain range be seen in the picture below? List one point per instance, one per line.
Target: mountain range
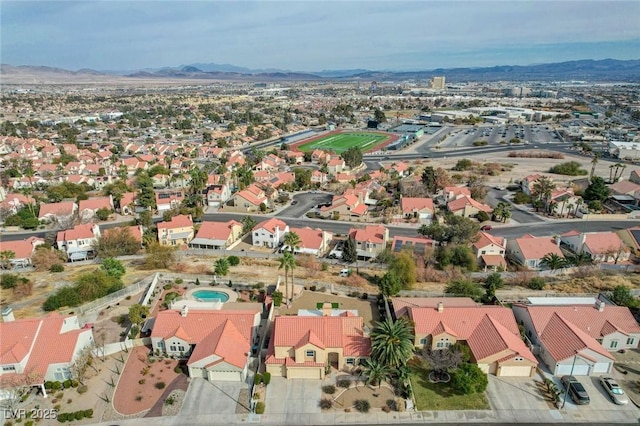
(585, 70)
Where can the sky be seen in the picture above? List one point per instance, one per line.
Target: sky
(315, 35)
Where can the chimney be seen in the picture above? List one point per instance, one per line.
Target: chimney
(326, 309)
(440, 307)
(7, 314)
(599, 305)
(184, 311)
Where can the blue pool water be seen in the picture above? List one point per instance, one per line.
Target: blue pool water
(210, 295)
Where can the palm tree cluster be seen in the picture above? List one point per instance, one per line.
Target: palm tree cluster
(502, 211)
(391, 349)
(554, 261)
(288, 261)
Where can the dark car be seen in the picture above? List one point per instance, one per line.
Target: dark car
(575, 389)
(486, 228)
(294, 202)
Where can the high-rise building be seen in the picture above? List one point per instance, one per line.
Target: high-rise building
(437, 83)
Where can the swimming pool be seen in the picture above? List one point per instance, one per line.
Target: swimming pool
(210, 296)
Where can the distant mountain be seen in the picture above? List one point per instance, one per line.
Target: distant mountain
(587, 70)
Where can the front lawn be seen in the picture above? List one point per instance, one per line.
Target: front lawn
(440, 396)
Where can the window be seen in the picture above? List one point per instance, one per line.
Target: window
(483, 252)
(350, 361)
(256, 234)
(518, 358)
(439, 345)
(614, 344)
(630, 341)
(181, 348)
(310, 354)
(172, 348)
(8, 368)
(423, 341)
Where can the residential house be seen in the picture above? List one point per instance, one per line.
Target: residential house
(78, 242)
(490, 251)
(14, 202)
(564, 202)
(87, 208)
(529, 250)
(271, 162)
(450, 193)
(176, 232)
(602, 247)
(467, 207)
(578, 339)
(319, 178)
(217, 343)
(62, 213)
(296, 157)
(370, 240)
(624, 187)
(312, 241)
(417, 208)
(218, 195)
(217, 235)
(346, 205)
(249, 199)
(269, 233)
(27, 352)
(160, 181)
(526, 184)
(22, 250)
(301, 347)
(128, 203)
(320, 157)
(335, 166)
(489, 331)
(169, 199)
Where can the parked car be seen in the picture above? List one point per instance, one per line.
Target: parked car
(486, 228)
(614, 390)
(576, 390)
(294, 202)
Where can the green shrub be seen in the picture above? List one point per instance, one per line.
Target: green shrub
(329, 389)
(260, 407)
(257, 379)
(8, 281)
(56, 385)
(537, 283)
(482, 216)
(468, 379)
(197, 281)
(570, 168)
(266, 378)
(88, 413)
(82, 389)
(521, 198)
(29, 423)
(233, 260)
(362, 405)
(62, 417)
(79, 415)
(179, 280)
(67, 384)
(480, 143)
(160, 385)
(178, 369)
(326, 403)
(462, 165)
(56, 267)
(167, 286)
(75, 383)
(48, 385)
(343, 383)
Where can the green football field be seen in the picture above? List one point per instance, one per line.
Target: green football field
(340, 142)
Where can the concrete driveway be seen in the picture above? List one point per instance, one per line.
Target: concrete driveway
(211, 398)
(599, 399)
(291, 397)
(514, 393)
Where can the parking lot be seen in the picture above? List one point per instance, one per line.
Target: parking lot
(502, 134)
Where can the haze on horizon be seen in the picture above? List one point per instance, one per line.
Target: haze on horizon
(316, 35)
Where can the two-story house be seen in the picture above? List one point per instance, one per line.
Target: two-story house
(467, 207)
(602, 247)
(218, 195)
(302, 347)
(370, 240)
(490, 251)
(269, 233)
(177, 232)
(249, 199)
(169, 199)
(335, 165)
(78, 242)
(346, 205)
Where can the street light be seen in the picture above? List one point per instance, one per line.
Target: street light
(564, 400)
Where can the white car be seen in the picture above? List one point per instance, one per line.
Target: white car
(614, 390)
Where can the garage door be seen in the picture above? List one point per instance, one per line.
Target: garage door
(304, 373)
(225, 376)
(578, 370)
(514, 371)
(601, 367)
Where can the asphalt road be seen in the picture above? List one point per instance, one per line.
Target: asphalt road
(305, 202)
(495, 196)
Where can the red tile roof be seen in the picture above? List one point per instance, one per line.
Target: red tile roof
(227, 342)
(217, 230)
(309, 238)
(179, 221)
(23, 249)
(485, 239)
(460, 203)
(409, 204)
(537, 247)
(491, 337)
(64, 208)
(603, 242)
(562, 339)
(371, 233)
(78, 232)
(95, 204)
(270, 225)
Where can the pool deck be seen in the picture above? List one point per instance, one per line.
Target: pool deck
(233, 296)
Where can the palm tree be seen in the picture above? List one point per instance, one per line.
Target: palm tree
(375, 372)
(594, 162)
(292, 240)
(287, 262)
(553, 261)
(392, 342)
(5, 258)
(580, 259)
(542, 188)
